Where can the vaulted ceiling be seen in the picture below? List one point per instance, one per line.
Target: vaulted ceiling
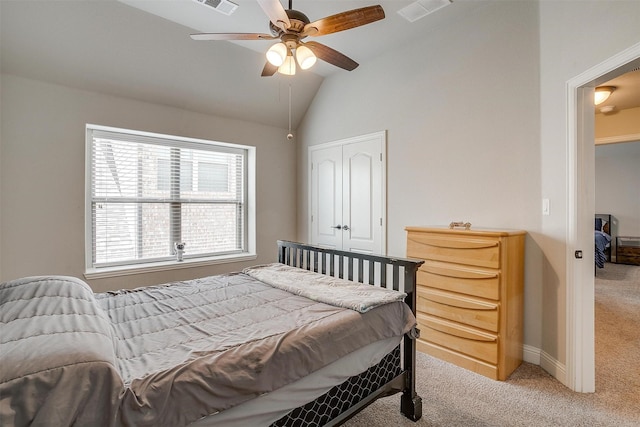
(142, 50)
(361, 44)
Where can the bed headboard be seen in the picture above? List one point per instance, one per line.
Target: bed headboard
(375, 270)
(378, 270)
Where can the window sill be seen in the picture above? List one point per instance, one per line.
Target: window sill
(103, 273)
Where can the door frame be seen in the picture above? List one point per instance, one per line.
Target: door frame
(580, 311)
(382, 135)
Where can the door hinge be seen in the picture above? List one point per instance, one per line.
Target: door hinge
(380, 156)
(578, 254)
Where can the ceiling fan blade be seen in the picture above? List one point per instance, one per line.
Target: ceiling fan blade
(276, 13)
(232, 36)
(332, 56)
(344, 21)
(269, 70)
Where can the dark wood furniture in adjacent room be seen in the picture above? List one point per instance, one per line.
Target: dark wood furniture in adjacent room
(628, 250)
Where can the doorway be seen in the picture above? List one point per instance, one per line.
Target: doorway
(580, 365)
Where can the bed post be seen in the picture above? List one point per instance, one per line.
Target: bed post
(410, 402)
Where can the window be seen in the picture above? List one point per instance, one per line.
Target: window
(147, 192)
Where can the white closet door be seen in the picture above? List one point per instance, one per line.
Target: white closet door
(347, 190)
(362, 197)
(326, 197)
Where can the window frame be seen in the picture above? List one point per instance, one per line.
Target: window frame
(92, 272)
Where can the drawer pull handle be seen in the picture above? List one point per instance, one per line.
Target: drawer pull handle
(460, 332)
(452, 243)
(464, 303)
(466, 225)
(459, 274)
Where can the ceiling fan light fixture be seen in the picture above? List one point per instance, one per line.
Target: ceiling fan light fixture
(277, 54)
(305, 57)
(602, 93)
(291, 27)
(288, 67)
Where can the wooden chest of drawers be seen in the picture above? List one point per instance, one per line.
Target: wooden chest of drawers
(470, 296)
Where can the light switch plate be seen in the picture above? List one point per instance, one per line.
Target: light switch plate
(545, 206)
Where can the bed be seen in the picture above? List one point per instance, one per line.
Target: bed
(605, 225)
(306, 341)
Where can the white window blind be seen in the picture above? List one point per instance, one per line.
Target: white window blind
(148, 192)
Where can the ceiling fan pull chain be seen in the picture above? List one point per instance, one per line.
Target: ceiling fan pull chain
(289, 135)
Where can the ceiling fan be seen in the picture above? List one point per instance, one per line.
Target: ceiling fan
(291, 27)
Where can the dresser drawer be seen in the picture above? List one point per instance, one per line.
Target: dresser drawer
(459, 308)
(483, 283)
(470, 341)
(462, 360)
(469, 250)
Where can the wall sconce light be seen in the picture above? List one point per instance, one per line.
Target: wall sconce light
(602, 93)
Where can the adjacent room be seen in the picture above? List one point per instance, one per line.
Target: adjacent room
(201, 194)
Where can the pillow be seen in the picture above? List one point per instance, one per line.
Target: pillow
(598, 224)
(605, 227)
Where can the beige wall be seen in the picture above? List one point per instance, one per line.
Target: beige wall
(568, 49)
(42, 176)
(477, 125)
(462, 114)
(618, 185)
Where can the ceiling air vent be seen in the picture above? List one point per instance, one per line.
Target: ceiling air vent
(223, 6)
(421, 8)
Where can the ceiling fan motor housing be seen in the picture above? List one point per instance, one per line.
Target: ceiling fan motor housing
(298, 21)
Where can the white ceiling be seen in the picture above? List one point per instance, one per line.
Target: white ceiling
(360, 43)
(141, 49)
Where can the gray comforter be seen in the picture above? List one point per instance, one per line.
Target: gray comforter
(165, 355)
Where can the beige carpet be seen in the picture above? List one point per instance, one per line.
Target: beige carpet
(530, 397)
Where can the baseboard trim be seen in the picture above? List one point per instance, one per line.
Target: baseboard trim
(554, 367)
(538, 357)
(531, 354)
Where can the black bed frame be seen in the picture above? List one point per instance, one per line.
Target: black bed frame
(377, 270)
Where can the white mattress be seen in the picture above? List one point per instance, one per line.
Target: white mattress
(270, 407)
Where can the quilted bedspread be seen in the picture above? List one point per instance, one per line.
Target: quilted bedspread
(165, 355)
(59, 365)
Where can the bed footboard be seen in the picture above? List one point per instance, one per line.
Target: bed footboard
(388, 272)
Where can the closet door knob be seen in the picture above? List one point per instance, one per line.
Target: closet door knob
(337, 226)
(345, 227)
